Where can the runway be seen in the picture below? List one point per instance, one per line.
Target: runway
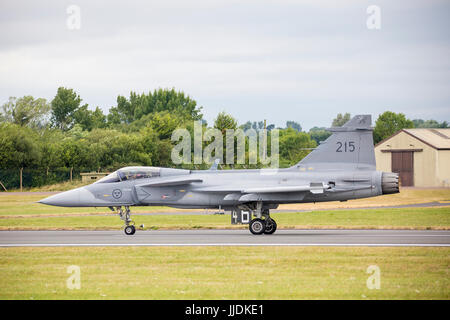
(380, 238)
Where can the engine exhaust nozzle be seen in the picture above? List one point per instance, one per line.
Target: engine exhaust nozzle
(389, 183)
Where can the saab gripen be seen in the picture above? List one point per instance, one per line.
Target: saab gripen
(341, 168)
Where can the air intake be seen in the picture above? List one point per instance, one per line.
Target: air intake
(389, 183)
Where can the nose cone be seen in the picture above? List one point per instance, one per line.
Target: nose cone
(64, 199)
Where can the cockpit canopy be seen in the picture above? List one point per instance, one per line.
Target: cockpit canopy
(131, 173)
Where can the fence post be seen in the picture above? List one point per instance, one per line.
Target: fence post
(21, 171)
(71, 169)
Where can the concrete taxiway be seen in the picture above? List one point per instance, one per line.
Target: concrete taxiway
(227, 238)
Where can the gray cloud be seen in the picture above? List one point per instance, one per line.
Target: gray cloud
(281, 60)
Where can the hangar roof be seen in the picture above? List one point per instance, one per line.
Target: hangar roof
(435, 137)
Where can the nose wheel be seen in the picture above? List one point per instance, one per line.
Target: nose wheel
(129, 230)
(125, 215)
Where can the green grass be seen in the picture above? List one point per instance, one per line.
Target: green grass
(417, 218)
(62, 186)
(410, 218)
(224, 273)
(25, 205)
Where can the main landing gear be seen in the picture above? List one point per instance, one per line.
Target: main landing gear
(260, 226)
(125, 215)
(263, 223)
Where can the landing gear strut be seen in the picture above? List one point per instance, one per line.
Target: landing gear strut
(263, 223)
(125, 215)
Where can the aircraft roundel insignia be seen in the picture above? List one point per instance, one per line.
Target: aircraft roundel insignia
(116, 193)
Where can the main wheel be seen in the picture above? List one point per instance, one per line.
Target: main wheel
(129, 230)
(271, 226)
(257, 226)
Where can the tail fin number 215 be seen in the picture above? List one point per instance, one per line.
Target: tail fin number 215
(345, 146)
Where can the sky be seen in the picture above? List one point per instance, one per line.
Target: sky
(278, 60)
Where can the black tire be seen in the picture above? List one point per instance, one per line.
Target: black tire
(129, 230)
(271, 226)
(257, 226)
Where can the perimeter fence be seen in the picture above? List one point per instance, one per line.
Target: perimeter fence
(20, 178)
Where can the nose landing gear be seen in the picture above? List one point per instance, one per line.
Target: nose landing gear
(125, 215)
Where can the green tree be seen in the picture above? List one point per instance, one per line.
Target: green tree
(50, 141)
(256, 125)
(294, 146)
(25, 111)
(160, 100)
(319, 134)
(125, 109)
(101, 142)
(64, 106)
(19, 147)
(128, 149)
(88, 119)
(98, 118)
(225, 121)
(164, 123)
(294, 125)
(420, 123)
(389, 123)
(114, 117)
(340, 119)
(246, 126)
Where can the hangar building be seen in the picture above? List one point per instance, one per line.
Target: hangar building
(421, 157)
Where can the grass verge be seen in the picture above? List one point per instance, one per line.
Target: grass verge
(62, 186)
(225, 273)
(25, 205)
(405, 218)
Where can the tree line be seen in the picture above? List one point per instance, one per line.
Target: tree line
(66, 133)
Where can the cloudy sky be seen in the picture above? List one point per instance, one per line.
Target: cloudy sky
(279, 60)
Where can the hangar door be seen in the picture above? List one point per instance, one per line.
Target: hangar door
(403, 164)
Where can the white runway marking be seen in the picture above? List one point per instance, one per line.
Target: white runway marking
(225, 245)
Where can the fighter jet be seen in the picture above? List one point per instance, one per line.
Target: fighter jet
(339, 169)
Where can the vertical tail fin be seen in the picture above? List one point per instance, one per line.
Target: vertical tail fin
(349, 147)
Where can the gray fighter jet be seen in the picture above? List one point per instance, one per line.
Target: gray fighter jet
(340, 168)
